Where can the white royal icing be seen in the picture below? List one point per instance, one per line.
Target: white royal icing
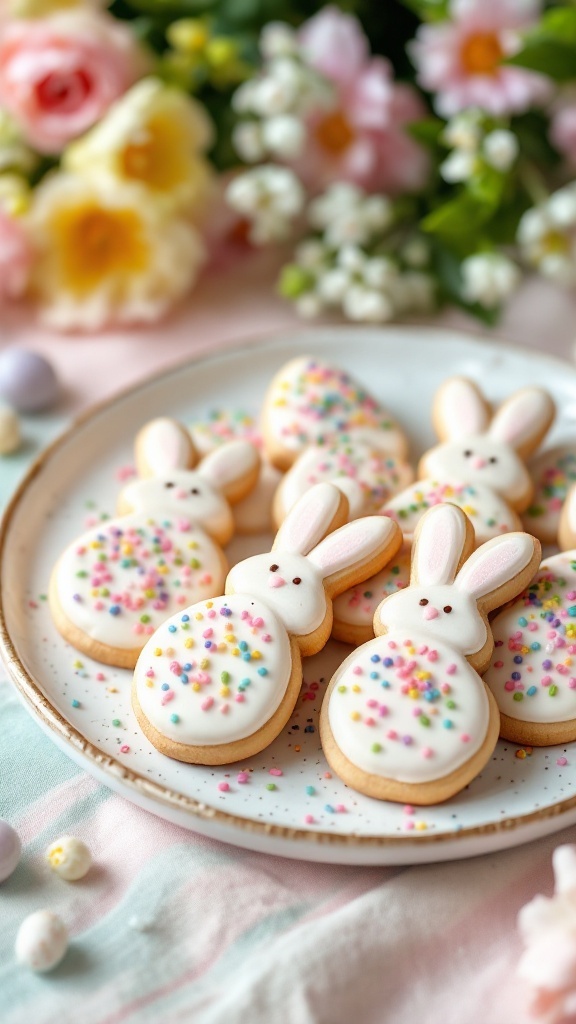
(165, 447)
(367, 477)
(122, 578)
(478, 459)
(553, 473)
(460, 409)
(185, 494)
(311, 402)
(300, 606)
(489, 513)
(357, 605)
(215, 673)
(533, 669)
(411, 710)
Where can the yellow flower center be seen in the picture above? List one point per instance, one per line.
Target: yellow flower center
(334, 132)
(481, 53)
(95, 243)
(555, 242)
(159, 158)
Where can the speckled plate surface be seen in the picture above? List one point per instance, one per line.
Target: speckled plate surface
(517, 798)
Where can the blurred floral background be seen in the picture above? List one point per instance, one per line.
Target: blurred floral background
(399, 156)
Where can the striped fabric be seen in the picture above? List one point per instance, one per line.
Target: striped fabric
(171, 927)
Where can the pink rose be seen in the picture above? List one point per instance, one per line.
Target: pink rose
(15, 258)
(59, 75)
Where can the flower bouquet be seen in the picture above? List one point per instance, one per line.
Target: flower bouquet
(408, 154)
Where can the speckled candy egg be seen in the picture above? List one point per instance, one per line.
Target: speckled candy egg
(10, 848)
(42, 941)
(27, 380)
(69, 857)
(9, 430)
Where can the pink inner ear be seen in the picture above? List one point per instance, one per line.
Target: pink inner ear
(166, 448)
(521, 418)
(461, 410)
(354, 543)
(439, 546)
(495, 563)
(308, 520)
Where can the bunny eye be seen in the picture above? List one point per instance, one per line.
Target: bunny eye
(296, 580)
(194, 490)
(493, 459)
(169, 484)
(424, 601)
(447, 608)
(274, 568)
(468, 453)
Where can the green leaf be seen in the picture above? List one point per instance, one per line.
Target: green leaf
(560, 23)
(548, 56)
(457, 218)
(427, 131)
(429, 10)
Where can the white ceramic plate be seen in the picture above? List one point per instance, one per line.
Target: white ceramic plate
(513, 801)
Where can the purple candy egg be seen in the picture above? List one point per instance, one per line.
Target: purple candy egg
(27, 380)
(10, 848)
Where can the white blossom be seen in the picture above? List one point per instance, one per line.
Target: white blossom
(352, 258)
(283, 136)
(309, 305)
(340, 198)
(464, 131)
(248, 141)
(547, 236)
(367, 305)
(333, 285)
(271, 198)
(458, 166)
(311, 253)
(278, 39)
(380, 272)
(500, 149)
(488, 279)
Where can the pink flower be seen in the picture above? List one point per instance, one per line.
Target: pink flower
(15, 257)
(59, 75)
(459, 60)
(362, 138)
(563, 129)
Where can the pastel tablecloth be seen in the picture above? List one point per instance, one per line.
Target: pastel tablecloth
(170, 927)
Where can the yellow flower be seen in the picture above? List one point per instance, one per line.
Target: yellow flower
(41, 8)
(153, 135)
(14, 194)
(107, 252)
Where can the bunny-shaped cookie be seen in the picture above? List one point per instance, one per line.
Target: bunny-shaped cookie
(360, 466)
(479, 464)
(115, 584)
(532, 673)
(406, 717)
(218, 682)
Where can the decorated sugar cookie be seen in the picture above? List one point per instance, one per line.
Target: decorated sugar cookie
(365, 473)
(553, 473)
(479, 464)
(114, 585)
(218, 681)
(532, 673)
(354, 609)
(254, 513)
(407, 717)
(310, 402)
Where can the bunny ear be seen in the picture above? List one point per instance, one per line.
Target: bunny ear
(523, 419)
(439, 543)
(319, 510)
(567, 530)
(514, 556)
(347, 552)
(459, 409)
(164, 445)
(232, 469)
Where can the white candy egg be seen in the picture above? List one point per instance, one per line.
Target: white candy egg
(42, 941)
(9, 430)
(69, 857)
(10, 848)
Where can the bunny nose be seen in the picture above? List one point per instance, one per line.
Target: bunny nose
(478, 462)
(180, 493)
(430, 612)
(274, 580)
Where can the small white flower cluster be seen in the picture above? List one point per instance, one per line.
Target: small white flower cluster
(339, 269)
(473, 147)
(270, 198)
(547, 236)
(489, 278)
(277, 101)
